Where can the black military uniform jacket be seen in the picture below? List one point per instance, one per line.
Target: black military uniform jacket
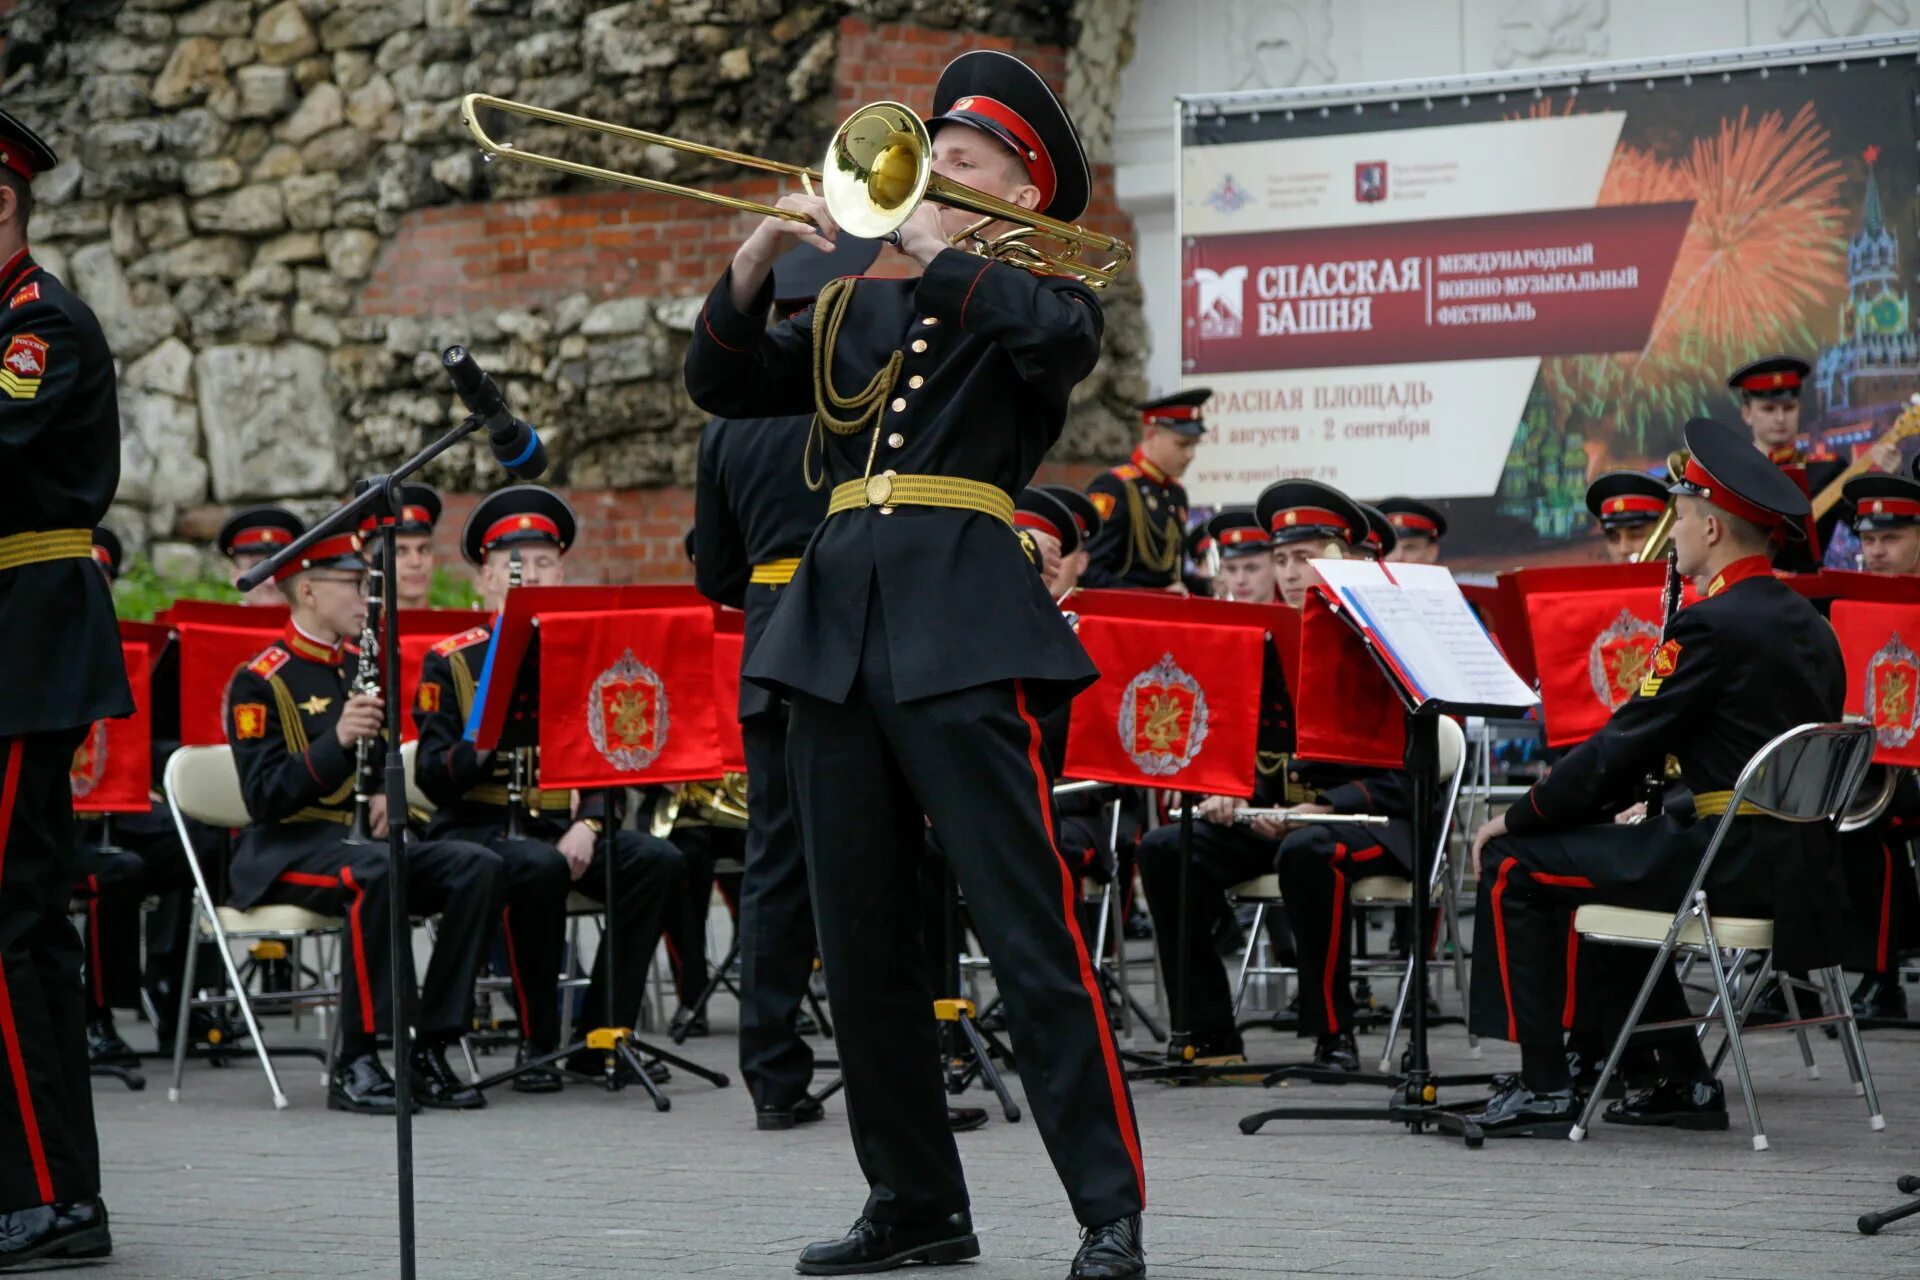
(1812, 475)
(1750, 661)
(1143, 527)
(751, 507)
(59, 467)
(296, 778)
(467, 791)
(992, 353)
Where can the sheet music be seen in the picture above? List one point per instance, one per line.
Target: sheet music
(1416, 613)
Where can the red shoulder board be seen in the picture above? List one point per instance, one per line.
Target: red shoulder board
(31, 293)
(453, 644)
(269, 662)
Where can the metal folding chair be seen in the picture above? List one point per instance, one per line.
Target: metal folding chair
(1807, 774)
(202, 783)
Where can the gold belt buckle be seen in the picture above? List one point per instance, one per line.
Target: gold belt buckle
(880, 489)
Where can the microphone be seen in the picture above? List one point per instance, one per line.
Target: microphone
(516, 445)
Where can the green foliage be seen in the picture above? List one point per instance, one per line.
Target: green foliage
(141, 592)
(452, 591)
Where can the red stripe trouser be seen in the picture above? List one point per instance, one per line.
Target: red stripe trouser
(48, 1151)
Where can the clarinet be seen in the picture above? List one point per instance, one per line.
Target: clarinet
(1655, 787)
(517, 758)
(366, 681)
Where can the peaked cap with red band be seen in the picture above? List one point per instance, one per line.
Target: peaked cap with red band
(1412, 518)
(259, 531)
(1292, 510)
(1381, 537)
(1725, 469)
(1178, 412)
(1880, 502)
(1000, 95)
(516, 515)
(419, 511)
(22, 150)
(1238, 533)
(1041, 511)
(341, 551)
(1626, 499)
(1773, 378)
(1085, 515)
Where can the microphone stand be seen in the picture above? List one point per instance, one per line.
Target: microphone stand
(383, 495)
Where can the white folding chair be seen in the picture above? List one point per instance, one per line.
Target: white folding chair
(1807, 774)
(202, 783)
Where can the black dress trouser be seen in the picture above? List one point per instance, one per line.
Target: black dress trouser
(1222, 857)
(1318, 866)
(867, 775)
(777, 940)
(48, 1150)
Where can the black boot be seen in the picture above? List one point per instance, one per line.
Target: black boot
(74, 1229)
(1880, 995)
(688, 1025)
(966, 1119)
(1516, 1109)
(1674, 1104)
(537, 1079)
(105, 1048)
(881, 1246)
(1111, 1251)
(435, 1084)
(777, 1116)
(1336, 1052)
(360, 1084)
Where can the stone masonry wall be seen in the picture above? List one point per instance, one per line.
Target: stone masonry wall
(275, 211)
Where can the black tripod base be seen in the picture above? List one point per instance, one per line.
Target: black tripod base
(971, 1056)
(127, 1073)
(1418, 1117)
(620, 1047)
(1907, 1185)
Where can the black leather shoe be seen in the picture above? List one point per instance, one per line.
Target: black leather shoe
(106, 1048)
(1771, 1008)
(1674, 1104)
(539, 1079)
(75, 1229)
(881, 1246)
(361, 1085)
(1337, 1052)
(435, 1084)
(1516, 1109)
(965, 1119)
(1110, 1251)
(1880, 995)
(775, 1116)
(688, 1025)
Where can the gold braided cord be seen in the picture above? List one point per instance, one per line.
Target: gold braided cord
(867, 405)
(1140, 546)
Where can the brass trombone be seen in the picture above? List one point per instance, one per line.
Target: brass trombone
(877, 170)
(1655, 547)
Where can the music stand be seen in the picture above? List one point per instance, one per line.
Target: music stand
(1414, 1100)
(506, 717)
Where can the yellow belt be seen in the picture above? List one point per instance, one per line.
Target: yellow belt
(1711, 804)
(774, 573)
(536, 800)
(887, 489)
(51, 544)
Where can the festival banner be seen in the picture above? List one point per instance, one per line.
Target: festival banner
(1175, 706)
(628, 697)
(1881, 645)
(112, 770)
(1485, 299)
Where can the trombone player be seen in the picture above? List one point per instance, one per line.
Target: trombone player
(918, 647)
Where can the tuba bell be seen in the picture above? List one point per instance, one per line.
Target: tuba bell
(719, 802)
(1871, 800)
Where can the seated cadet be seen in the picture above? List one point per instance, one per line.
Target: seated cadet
(1883, 902)
(1316, 518)
(1086, 523)
(1419, 527)
(250, 536)
(1627, 504)
(144, 859)
(412, 542)
(1748, 661)
(1381, 540)
(1206, 566)
(1315, 522)
(295, 726)
(1245, 550)
(561, 850)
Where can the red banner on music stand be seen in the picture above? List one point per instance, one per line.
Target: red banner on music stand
(215, 638)
(1177, 704)
(420, 630)
(1345, 709)
(729, 643)
(1593, 647)
(112, 770)
(1881, 645)
(628, 697)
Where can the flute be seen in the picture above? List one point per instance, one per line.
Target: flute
(1247, 817)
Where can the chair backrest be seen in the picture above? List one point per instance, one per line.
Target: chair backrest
(1452, 742)
(416, 798)
(1808, 773)
(203, 784)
